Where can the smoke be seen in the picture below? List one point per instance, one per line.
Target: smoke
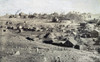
(49, 6)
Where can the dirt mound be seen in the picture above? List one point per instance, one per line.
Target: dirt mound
(75, 17)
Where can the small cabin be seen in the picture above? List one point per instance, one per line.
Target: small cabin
(71, 42)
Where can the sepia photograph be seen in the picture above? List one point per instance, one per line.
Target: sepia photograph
(49, 30)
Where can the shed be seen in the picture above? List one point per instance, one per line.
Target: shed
(80, 47)
(71, 42)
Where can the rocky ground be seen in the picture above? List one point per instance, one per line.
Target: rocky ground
(74, 39)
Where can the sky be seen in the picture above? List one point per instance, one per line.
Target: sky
(49, 6)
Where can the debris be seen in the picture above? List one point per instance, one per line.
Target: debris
(17, 53)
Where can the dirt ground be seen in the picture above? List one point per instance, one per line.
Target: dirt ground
(27, 46)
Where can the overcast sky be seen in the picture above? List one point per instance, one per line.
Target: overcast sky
(49, 6)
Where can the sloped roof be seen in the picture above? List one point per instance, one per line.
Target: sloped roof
(72, 40)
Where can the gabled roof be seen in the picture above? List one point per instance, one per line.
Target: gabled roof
(72, 40)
